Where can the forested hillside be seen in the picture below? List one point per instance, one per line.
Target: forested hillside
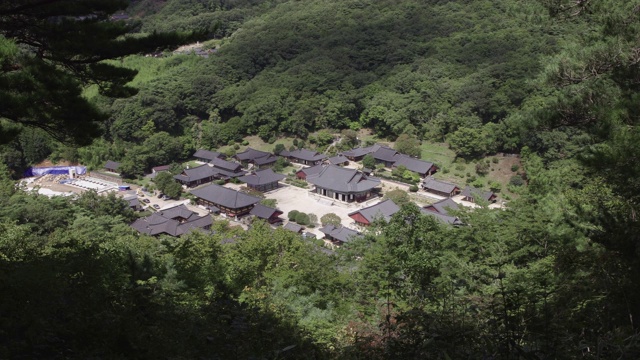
(553, 275)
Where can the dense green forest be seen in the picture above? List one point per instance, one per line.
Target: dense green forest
(554, 275)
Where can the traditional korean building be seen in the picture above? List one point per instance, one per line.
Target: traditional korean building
(262, 180)
(472, 194)
(266, 213)
(174, 221)
(206, 155)
(339, 235)
(382, 210)
(304, 156)
(260, 159)
(112, 166)
(303, 173)
(230, 202)
(441, 188)
(344, 184)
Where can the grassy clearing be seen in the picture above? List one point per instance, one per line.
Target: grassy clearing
(190, 164)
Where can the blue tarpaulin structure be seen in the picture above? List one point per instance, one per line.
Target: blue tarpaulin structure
(54, 170)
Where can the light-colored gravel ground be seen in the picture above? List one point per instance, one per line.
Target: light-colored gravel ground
(295, 198)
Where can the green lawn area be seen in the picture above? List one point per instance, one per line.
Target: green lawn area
(191, 164)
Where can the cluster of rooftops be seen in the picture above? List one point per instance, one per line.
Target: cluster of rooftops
(330, 180)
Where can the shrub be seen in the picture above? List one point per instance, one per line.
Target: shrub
(413, 188)
(330, 218)
(459, 167)
(482, 168)
(471, 179)
(368, 161)
(269, 202)
(445, 170)
(477, 183)
(292, 215)
(272, 140)
(495, 160)
(278, 149)
(295, 142)
(302, 218)
(245, 142)
(516, 180)
(515, 167)
(495, 186)
(236, 146)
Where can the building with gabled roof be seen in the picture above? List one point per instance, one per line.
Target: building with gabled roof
(206, 155)
(472, 194)
(198, 175)
(359, 153)
(441, 188)
(291, 226)
(225, 165)
(382, 210)
(259, 159)
(443, 206)
(304, 156)
(207, 173)
(339, 235)
(420, 167)
(266, 213)
(385, 155)
(262, 180)
(443, 218)
(160, 168)
(174, 221)
(343, 184)
(230, 202)
(303, 173)
(338, 160)
(133, 201)
(112, 166)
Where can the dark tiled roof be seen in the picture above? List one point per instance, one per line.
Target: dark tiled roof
(441, 186)
(443, 206)
(264, 212)
(308, 235)
(383, 210)
(197, 173)
(206, 154)
(341, 233)
(413, 164)
(165, 222)
(112, 165)
(343, 180)
(385, 154)
(261, 177)
(180, 211)
(477, 193)
(225, 197)
(251, 154)
(313, 170)
(267, 159)
(357, 152)
(447, 219)
(225, 165)
(306, 155)
(338, 159)
(161, 168)
(132, 200)
(292, 227)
